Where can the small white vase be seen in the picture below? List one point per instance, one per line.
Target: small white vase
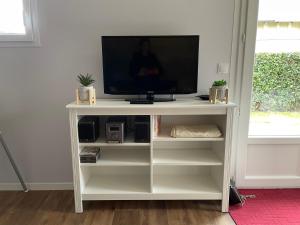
(84, 92)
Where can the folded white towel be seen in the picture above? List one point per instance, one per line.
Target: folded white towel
(195, 131)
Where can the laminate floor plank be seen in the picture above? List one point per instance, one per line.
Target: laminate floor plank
(99, 213)
(24, 210)
(127, 217)
(9, 211)
(70, 217)
(154, 213)
(7, 199)
(177, 213)
(57, 208)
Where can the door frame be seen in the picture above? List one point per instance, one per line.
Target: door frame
(250, 13)
(248, 29)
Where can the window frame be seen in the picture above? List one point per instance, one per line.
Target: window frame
(31, 38)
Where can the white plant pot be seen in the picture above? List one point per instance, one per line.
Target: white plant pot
(84, 92)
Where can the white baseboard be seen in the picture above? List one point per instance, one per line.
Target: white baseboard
(36, 186)
(272, 182)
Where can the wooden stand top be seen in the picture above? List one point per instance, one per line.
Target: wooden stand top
(183, 105)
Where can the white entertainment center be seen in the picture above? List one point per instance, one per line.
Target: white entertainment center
(166, 168)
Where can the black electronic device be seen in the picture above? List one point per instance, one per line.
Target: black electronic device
(120, 119)
(88, 129)
(115, 132)
(89, 155)
(116, 129)
(140, 101)
(142, 129)
(204, 97)
(149, 65)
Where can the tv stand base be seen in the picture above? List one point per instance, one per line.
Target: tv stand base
(149, 99)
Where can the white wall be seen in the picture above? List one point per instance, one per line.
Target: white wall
(271, 163)
(37, 83)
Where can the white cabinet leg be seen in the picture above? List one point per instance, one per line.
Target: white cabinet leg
(225, 206)
(75, 161)
(78, 206)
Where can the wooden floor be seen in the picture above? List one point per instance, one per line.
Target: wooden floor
(57, 208)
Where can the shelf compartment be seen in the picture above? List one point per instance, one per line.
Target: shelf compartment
(114, 182)
(114, 157)
(187, 184)
(99, 186)
(165, 135)
(164, 124)
(193, 157)
(198, 181)
(101, 142)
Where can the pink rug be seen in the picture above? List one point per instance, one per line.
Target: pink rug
(270, 207)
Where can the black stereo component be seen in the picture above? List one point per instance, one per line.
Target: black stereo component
(115, 132)
(116, 129)
(142, 129)
(88, 129)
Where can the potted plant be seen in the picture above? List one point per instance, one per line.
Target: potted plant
(219, 83)
(218, 89)
(86, 82)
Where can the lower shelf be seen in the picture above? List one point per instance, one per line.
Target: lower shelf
(117, 184)
(186, 184)
(137, 187)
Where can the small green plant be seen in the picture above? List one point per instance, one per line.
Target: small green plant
(219, 83)
(85, 80)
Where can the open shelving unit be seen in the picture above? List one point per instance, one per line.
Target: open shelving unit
(166, 167)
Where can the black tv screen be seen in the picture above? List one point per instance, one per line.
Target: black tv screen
(150, 64)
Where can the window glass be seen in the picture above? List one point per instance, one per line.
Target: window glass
(11, 17)
(275, 106)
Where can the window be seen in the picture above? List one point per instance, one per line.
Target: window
(18, 23)
(275, 106)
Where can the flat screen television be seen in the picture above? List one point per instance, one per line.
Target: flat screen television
(136, 65)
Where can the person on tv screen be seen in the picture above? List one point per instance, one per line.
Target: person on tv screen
(144, 63)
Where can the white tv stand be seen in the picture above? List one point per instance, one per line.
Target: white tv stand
(165, 168)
